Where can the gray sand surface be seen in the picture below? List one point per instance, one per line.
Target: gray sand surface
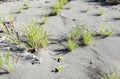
(103, 53)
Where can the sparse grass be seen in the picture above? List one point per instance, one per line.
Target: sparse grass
(6, 62)
(26, 4)
(109, 31)
(112, 76)
(60, 59)
(76, 32)
(45, 17)
(59, 68)
(13, 39)
(36, 36)
(58, 5)
(73, 35)
(103, 31)
(56, 8)
(11, 17)
(19, 9)
(87, 36)
(100, 12)
(2, 24)
(62, 3)
(71, 45)
(87, 9)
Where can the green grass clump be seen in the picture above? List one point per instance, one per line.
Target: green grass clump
(72, 37)
(105, 31)
(109, 31)
(62, 2)
(112, 76)
(87, 9)
(58, 6)
(87, 36)
(27, 5)
(36, 36)
(71, 45)
(60, 59)
(19, 9)
(6, 62)
(11, 16)
(13, 39)
(45, 17)
(59, 68)
(100, 12)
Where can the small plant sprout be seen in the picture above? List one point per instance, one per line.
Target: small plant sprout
(102, 29)
(109, 31)
(71, 45)
(76, 32)
(105, 31)
(13, 39)
(112, 76)
(2, 26)
(118, 17)
(58, 69)
(45, 17)
(1, 61)
(6, 62)
(36, 36)
(11, 17)
(87, 9)
(60, 59)
(19, 9)
(100, 12)
(27, 5)
(56, 8)
(72, 37)
(87, 36)
(62, 3)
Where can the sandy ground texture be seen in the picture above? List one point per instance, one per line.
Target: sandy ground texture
(90, 62)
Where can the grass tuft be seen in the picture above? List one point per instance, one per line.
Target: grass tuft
(112, 76)
(87, 36)
(36, 36)
(6, 62)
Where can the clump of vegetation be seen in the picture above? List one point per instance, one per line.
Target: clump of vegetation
(87, 9)
(11, 16)
(19, 9)
(109, 31)
(36, 36)
(56, 8)
(2, 26)
(87, 35)
(27, 5)
(105, 31)
(100, 12)
(71, 45)
(13, 39)
(6, 62)
(72, 37)
(58, 5)
(45, 17)
(60, 59)
(58, 69)
(112, 76)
